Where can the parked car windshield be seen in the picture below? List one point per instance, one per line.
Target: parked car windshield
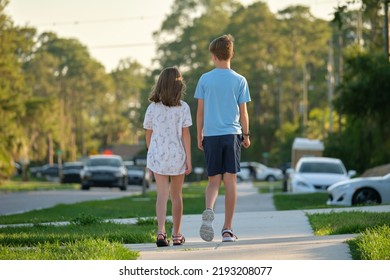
(103, 162)
(69, 167)
(134, 167)
(321, 167)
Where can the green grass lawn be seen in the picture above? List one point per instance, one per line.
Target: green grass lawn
(126, 207)
(88, 249)
(289, 201)
(16, 185)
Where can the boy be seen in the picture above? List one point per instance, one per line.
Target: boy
(222, 127)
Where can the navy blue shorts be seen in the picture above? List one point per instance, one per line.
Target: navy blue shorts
(223, 154)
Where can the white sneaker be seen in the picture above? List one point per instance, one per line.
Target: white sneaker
(206, 229)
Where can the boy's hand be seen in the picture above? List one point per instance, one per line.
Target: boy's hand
(200, 143)
(246, 142)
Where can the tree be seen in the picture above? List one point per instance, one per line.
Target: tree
(62, 72)
(183, 41)
(129, 81)
(13, 42)
(362, 87)
(363, 98)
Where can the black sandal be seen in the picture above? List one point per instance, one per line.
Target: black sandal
(178, 239)
(230, 238)
(162, 242)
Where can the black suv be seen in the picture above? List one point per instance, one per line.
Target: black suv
(71, 172)
(104, 171)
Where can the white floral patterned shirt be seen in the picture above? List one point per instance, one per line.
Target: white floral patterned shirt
(166, 154)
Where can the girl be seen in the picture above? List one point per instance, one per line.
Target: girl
(167, 121)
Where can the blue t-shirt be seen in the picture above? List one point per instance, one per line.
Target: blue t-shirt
(222, 91)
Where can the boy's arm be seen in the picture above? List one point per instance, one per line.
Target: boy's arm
(148, 136)
(199, 123)
(187, 148)
(244, 119)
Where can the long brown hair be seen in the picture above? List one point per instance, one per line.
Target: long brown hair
(169, 88)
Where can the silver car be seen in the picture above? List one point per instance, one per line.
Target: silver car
(258, 171)
(360, 191)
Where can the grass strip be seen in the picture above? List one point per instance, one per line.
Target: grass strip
(372, 244)
(18, 185)
(289, 201)
(127, 207)
(112, 232)
(82, 249)
(347, 222)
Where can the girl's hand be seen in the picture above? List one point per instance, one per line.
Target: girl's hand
(188, 168)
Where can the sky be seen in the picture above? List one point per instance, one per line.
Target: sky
(118, 29)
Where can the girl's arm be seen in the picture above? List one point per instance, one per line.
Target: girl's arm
(187, 147)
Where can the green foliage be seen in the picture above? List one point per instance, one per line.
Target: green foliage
(14, 41)
(363, 99)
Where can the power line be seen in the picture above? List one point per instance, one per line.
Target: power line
(122, 46)
(93, 21)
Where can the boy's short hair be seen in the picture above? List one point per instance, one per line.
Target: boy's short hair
(222, 47)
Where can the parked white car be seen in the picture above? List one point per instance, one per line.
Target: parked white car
(360, 191)
(258, 171)
(313, 174)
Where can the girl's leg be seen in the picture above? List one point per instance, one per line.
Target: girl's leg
(162, 182)
(177, 202)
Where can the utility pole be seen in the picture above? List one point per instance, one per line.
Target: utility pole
(305, 102)
(331, 81)
(386, 28)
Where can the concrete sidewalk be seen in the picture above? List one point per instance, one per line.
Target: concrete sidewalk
(264, 234)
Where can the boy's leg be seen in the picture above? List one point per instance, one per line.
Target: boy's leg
(177, 202)
(212, 190)
(232, 164)
(162, 182)
(214, 160)
(206, 229)
(229, 180)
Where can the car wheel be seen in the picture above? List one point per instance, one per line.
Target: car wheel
(124, 185)
(366, 196)
(270, 178)
(84, 187)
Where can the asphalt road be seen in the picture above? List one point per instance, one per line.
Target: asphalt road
(18, 202)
